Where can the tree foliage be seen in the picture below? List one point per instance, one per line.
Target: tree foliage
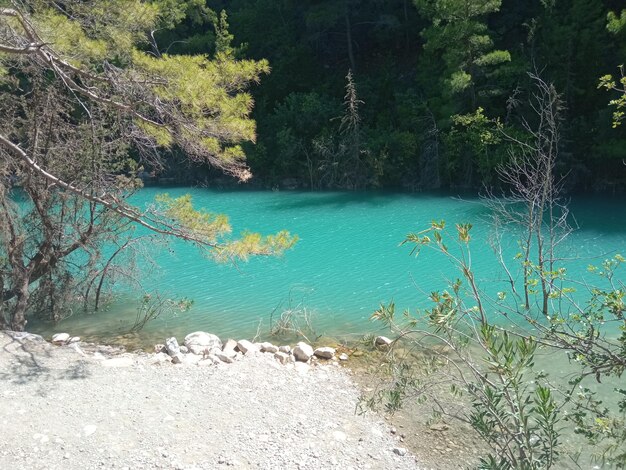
(417, 65)
(90, 102)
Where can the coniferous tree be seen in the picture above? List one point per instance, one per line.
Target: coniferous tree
(88, 103)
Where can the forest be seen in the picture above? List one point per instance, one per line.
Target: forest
(413, 95)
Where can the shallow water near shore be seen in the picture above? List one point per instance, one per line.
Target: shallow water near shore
(346, 262)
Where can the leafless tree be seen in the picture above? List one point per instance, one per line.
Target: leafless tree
(534, 200)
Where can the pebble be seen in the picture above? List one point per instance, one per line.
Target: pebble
(177, 358)
(382, 341)
(325, 352)
(229, 345)
(172, 346)
(268, 348)
(246, 347)
(191, 359)
(160, 358)
(224, 357)
(283, 358)
(200, 341)
(302, 352)
(438, 427)
(60, 338)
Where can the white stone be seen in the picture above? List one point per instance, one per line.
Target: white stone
(401, 451)
(268, 348)
(199, 341)
(216, 360)
(302, 352)
(285, 349)
(89, 429)
(339, 436)
(160, 358)
(206, 362)
(246, 346)
(191, 359)
(177, 358)
(283, 358)
(439, 427)
(343, 357)
(325, 352)
(226, 352)
(382, 341)
(184, 349)
(74, 339)
(229, 345)
(121, 361)
(60, 338)
(225, 358)
(172, 346)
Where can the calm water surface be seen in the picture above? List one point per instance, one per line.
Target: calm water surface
(347, 261)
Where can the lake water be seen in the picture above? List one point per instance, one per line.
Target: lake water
(347, 261)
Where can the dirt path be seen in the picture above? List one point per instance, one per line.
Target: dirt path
(63, 409)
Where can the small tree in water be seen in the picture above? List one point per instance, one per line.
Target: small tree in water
(492, 342)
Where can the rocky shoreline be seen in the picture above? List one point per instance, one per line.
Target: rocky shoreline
(202, 348)
(256, 405)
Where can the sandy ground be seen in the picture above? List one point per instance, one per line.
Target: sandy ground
(96, 407)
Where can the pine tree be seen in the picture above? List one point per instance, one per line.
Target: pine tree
(87, 103)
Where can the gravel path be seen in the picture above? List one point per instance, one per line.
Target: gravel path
(61, 409)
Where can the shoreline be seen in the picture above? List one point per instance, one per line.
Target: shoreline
(436, 447)
(80, 405)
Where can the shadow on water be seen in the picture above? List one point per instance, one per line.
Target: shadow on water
(603, 214)
(339, 199)
(301, 200)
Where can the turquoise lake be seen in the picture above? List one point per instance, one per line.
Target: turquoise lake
(346, 262)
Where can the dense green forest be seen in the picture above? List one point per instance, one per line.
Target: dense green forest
(429, 80)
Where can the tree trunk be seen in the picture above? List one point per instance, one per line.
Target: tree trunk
(349, 40)
(407, 44)
(18, 315)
